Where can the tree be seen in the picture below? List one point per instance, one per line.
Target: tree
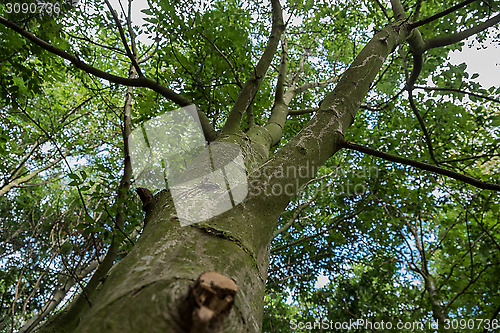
(301, 88)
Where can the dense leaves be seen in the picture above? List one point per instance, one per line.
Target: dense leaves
(377, 232)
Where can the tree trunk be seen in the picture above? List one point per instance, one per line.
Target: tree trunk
(149, 289)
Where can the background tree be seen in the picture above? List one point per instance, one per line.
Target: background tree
(397, 207)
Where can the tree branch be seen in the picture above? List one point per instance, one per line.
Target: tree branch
(303, 111)
(59, 295)
(398, 9)
(460, 92)
(439, 15)
(171, 95)
(247, 94)
(455, 38)
(334, 222)
(418, 6)
(424, 166)
(311, 85)
(383, 10)
(427, 137)
(130, 54)
(226, 59)
(280, 84)
(18, 181)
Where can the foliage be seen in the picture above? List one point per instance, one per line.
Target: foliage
(359, 223)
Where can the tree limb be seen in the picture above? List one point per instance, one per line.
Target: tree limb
(460, 92)
(311, 85)
(441, 14)
(398, 9)
(207, 128)
(130, 54)
(383, 10)
(59, 295)
(455, 38)
(18, 181)
(424, 166)
(280, 84)
(302, 111)
(418, 6)
(226, 59)
(247, 94)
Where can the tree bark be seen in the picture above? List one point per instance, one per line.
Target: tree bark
(149, 290)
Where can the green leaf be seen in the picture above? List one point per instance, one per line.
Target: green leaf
(74, 176)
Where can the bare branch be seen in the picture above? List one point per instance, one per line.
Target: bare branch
(131, 55)
(424, 166)
(460, 92)
(58, 296)
(296, 76)
(18, 181)
(226, 59)
(308, 86)
(247, 94)
(303, 111)
(439, 15)
(280, 84)
(383, 9)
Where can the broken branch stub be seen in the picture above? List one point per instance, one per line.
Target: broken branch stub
(212, 297)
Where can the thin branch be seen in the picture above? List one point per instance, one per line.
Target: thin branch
(334, 223)
(130, 54)
(226, 59)
(131, 30)
(460, 92)
(302, 111)
(424, 166)
(88, 40)
(303, 206)
(208, 130)
(280, 84)
(18, 181)
(418, 6)
(311, 85)
(59, 295)
(439, 15)
(247, 94)
(472, 281)
(296, 76)
(383, 10)
(79, 305)
(410, 80)
(427, 137)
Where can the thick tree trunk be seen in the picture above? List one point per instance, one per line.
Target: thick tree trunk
(149, 289)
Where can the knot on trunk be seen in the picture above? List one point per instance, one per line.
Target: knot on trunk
(211, 299)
